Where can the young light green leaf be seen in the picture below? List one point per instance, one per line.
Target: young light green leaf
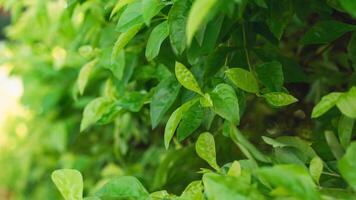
(191, 120)
(117, 65)
(84, 75)
(243, 79)
(150, 8)
(205, 148)
(125, 187)
(177, 20)
(334, 144)
(193, 191)
(69, 182)
(327, 102)
(206, 100)
(124, 39)
(326, 31)
(186, 78)
(174, 120)
(157, 36)
(94, 111)
(345, 127)
(347, 103)
(225, 103)
(316, 168)
(197, 15)
(271, 75)
(131, 17)
(119, 5)
(165, 94)
(347, 165)
(235, 169)
(279, 98)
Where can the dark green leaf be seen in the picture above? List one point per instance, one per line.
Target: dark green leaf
(271, 75)
(191, 120)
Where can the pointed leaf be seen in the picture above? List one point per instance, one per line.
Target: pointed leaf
(327, 102)
(157, 36)
(243, 79)
(279, 98)
(186, 78)
(205, 148)
(69, 182)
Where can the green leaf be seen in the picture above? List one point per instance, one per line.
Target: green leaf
(123, 40)
(279, 98)
(198, 14)
(293, 179)
(235, 169)
(118, 6)
(347, 103)
(205, 148)
(315, 169)
(351, 48)
(326, 31)
(84, 75)
(243, 79)
(186, 78)
(174, 120)
(193, 191)
(334, 144)
(347, 165)
(131, 17)
(165, 94)
(125, 187)
(218, 187)
(325, 104)
(94, 110)
(150, 8)
(157, 36)
(345, 127)
(69, 182)
(132, 101)
(349, 6)
(225, 103)
(177, 21)
(191, 120)
(117, 65)
(271, 75)
(281, 11)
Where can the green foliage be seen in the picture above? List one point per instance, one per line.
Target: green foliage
(181, 100)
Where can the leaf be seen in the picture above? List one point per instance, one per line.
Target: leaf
(174, 120)
(327, 102)
(94, 110)
(198, 14)
(125, 187)
(279, 98)
(349, 6)
(205, 148)
(293, 179)
(157, 36)
(191, 120)
(177, 20)
(123, 40)
(243, 79)
(165, 94)
(326, 31)
(235, 169)
(194, 191)
(130, 18)
(225, 103)
(118, 6)
(315, 169)
(334, 144)
(281, 11)
(117, 65)
(347, 165)
(84, 75)
(206, 100)
(132, 101)
(186, 78)
(150, 8)
(69, 182)
(218, 187)
(345, 128)
(347, 103)
(271, 75)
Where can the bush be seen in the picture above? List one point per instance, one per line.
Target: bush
(182, 99)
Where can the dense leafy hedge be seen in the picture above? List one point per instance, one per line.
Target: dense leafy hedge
(182, 99)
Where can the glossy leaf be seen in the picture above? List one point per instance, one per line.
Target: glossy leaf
(131, 17)
(326, 103)
(191, 120)
(69, 182)
(279, 98)
(123, 40)
(157, 36)
(150, 8)
(165, 94)
(186, 78)
(347, 103)
(243, 79)
(205, 148)
(193, 191)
